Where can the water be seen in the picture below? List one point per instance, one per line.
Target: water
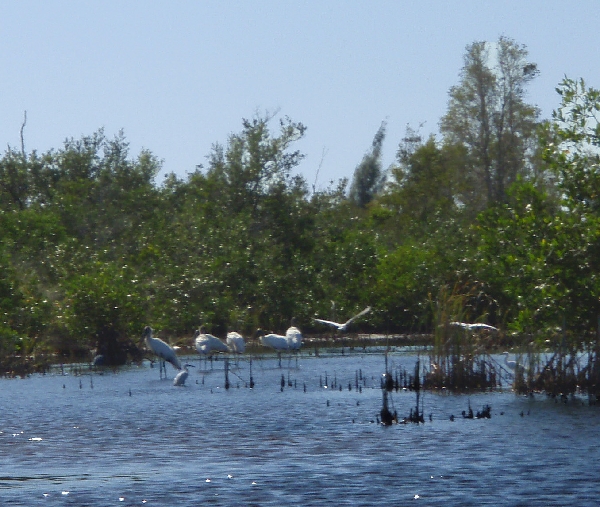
(129, 438)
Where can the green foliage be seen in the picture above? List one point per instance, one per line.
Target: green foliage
(573, 141)
(404, 281)
(469, 228)
(368, 179)
(101, 304)
(571, 152)
(425, 184)
(517, 243)
(488, 115)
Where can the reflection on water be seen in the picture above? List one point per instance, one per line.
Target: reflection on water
(128, 438)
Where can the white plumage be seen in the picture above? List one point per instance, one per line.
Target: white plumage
(274, 341)
(207, 344)
(291, 341)
(163, 350)
(344, 326)
(511, 364)
(236, 343)
(182, 376)
(294, 338)
(474, 327)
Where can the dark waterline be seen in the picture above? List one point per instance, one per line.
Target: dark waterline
(128, 438)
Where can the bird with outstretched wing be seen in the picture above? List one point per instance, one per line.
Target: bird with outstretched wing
(344, 326)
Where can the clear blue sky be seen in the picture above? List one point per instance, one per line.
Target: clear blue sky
(178, 76)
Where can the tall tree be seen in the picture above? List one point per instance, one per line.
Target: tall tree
(368, 179)
(425, 183)
(488, 114)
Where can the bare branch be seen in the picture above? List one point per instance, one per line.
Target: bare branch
(22, 138)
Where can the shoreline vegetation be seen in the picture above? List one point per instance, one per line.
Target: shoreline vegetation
(17, 365)
(461, 366)
(494, 224)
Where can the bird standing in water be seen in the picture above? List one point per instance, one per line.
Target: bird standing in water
(207, 344)
(182, 376)
(293, 336)
(291, 341)
(163, 350)
(236, 343)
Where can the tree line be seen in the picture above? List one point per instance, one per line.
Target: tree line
(495, 219)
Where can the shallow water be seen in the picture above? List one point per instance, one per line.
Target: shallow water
(129, 438)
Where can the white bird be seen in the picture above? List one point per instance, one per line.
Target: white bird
(514, 366)
(163, 350)
(293, 336)
(474, 327)
(511, 364)
(207, 344)
(236, 343)
(274, 341)
(344, 326)
(291, 341)
(182, 376)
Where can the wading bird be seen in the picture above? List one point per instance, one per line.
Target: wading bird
(344, 326)
(511, 364)
(163, 350)
(272, 340)
(514, 367)
(182, 376)
(207, 344)
(291, 341)
(293, 336)
(236, 343)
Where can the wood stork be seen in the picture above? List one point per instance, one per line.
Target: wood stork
(293, 336)
(163, 350)
(236, 343)
(272, 340)
(291, 341)
(207, 344)
(344, 326)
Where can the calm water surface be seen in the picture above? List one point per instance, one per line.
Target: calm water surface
(129, 438)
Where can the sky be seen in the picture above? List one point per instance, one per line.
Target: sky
(178, 76)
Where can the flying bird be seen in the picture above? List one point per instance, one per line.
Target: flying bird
(344, 326)
(474, 327)
(163, 350)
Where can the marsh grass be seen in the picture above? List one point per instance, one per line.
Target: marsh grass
(458, 360)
